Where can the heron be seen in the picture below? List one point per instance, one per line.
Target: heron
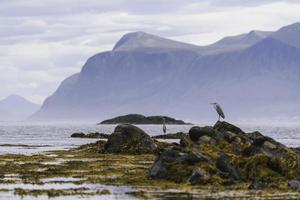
(219, 110)
(164, 126)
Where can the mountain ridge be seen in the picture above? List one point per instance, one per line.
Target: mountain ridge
(140, 40)
(182, 81)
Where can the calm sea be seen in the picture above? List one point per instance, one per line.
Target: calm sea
(24, 138)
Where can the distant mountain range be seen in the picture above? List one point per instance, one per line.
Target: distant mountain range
(253, 75)
(15, 108)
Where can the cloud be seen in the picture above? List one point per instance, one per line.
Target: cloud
(43, 42)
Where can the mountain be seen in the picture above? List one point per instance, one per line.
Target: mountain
(289, 35)
(15, 108)
(141, 40)
(234, 43)
(253, 75)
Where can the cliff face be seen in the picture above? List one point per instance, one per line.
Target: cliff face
(255, 74)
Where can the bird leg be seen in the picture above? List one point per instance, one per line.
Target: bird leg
(219, 118)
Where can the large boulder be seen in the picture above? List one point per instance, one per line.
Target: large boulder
(204, 134)
(223, 126)
(130, 139)
(268, 146)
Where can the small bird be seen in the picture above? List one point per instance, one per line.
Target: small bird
(219, 110)
(164, 126)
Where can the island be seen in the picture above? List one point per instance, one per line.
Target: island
(141, 119)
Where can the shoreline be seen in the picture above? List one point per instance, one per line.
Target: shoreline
(96, 170)
(85, 166)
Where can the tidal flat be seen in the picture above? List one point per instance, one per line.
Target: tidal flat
(88, 173)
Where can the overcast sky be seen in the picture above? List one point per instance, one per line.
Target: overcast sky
(44, 41)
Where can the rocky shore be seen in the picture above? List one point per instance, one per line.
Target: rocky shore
(215, 162)
(221, 155)
(90, 135)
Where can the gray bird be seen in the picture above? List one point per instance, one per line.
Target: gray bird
(164, 126)
(219, 110)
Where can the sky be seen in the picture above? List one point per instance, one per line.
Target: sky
(43, 42)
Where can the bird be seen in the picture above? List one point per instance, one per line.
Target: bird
(164, 126)
(219, 110)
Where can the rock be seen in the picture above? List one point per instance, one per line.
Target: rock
(294, 184)
(90, 135)
(170, 136)
(236, 148)
(197, 132)
(78, 135)
(223, 126)
(224, 165)
(97, 135)
(237, 140)
(229, 136)
(175, 165)
(256, 159)
(268, 146)
(193, 158)
(296, 150)
(127, 138)
(238, 144)
(199, 176)
(259, 186)
(254, 135)
(205, 139)
(186, 142)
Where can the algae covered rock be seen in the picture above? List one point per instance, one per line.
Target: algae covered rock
(186, 142)
(259, 186)
(254, 135)
(175, 165)
(78, 135)
(97, 135)
(268, 146)
(224, 165)
(233, 157)
(199, 176)
(178, 135)
(90, 135)
(130, 139)
(294, 184)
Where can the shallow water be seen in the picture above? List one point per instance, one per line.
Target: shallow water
(117, 192)
(44, 137)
